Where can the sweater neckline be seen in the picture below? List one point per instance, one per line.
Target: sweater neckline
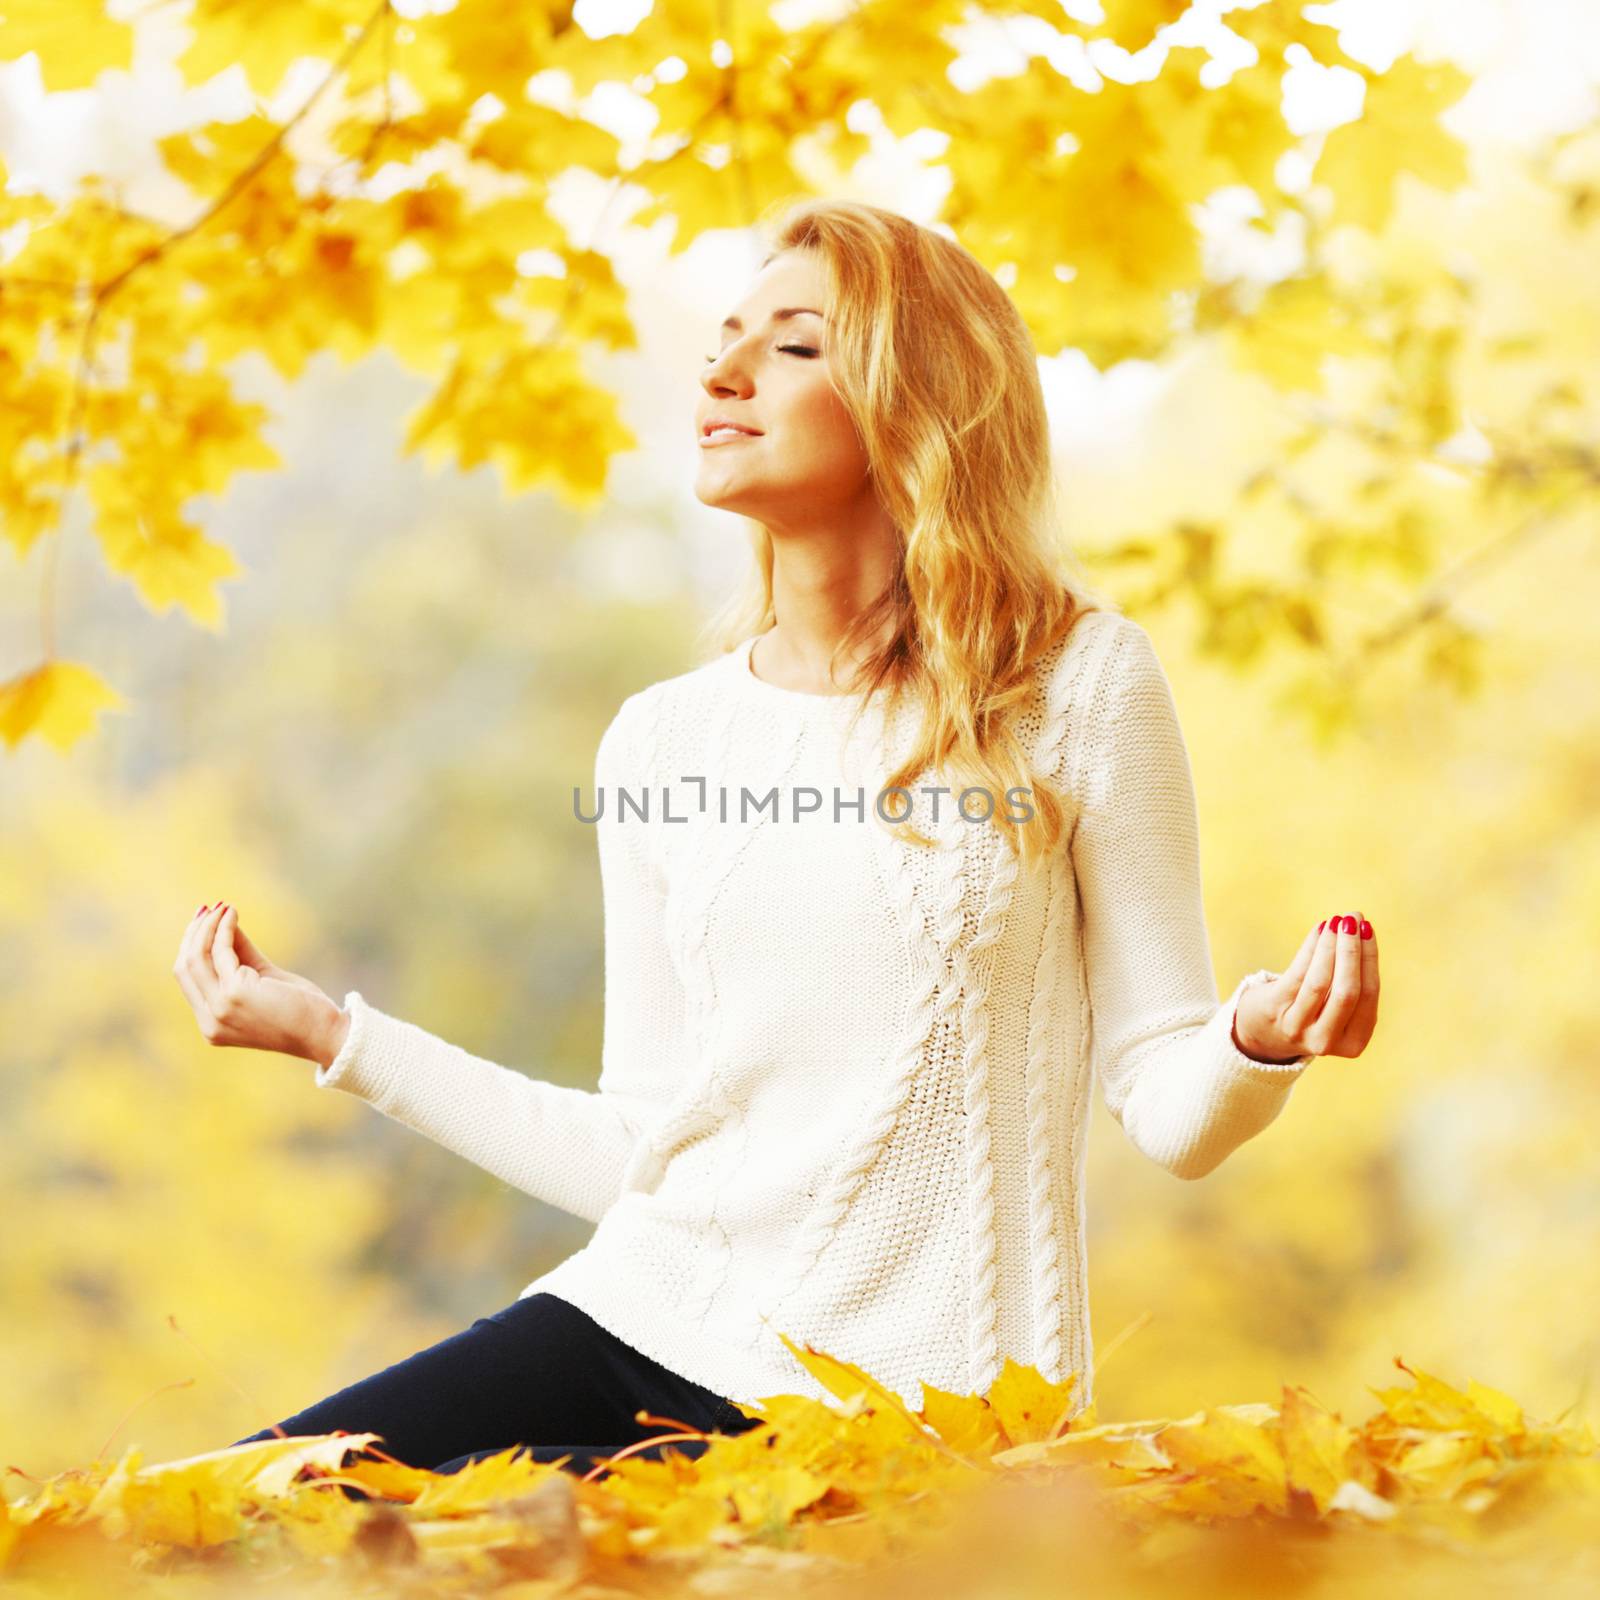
(800, 701)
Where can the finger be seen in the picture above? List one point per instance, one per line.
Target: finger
(199, 962)
(1346, 989)
(186, 943)
(223, 958)
(1364, 1020)
(248, 952)
(1296, 969)
(191, 993)
(1307, 1006)
(181, 970)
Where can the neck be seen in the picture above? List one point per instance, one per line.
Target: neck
(819, 587)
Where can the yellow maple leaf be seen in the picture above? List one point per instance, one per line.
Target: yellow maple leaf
(58, 701)
(479, 1484)
(966, 1422)
(1030, 1407)
(1498, 1407)
(1398, 131)
(1433, 1403)
(1444, 1463)
(856, 1387)
(201, 1500)
(1273, 27)
(145, 537)
(1230, 1459)
(264, 38)
(209, 155)
(1297, 322)
(75, 44)
(1315, 1444)
(1125, 1447)
(1134, 23)
(776, 1497)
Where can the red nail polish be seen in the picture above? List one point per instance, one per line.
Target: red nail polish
(1349, 925)
(1321, 925)
(1366, 929)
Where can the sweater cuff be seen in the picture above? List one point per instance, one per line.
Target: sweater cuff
(1272, 1070)
(362, 1067)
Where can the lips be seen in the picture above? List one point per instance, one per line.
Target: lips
(712, 424)
(725, 433)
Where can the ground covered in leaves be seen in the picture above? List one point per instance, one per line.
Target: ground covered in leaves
(1444, 1490)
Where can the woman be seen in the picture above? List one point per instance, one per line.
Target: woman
(851, 1012)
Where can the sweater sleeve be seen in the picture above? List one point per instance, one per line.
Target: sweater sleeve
(1170, 1073)
(564, 1145)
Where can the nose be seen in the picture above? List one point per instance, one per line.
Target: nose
(731, 386)
(726, 375)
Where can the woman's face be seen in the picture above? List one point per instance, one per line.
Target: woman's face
(804, 463)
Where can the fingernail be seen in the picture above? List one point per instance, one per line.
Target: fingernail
(1321, 925)
(1349, 925)
(197, 911)
(1366, 929)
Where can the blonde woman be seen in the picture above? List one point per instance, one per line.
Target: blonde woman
(888, 881)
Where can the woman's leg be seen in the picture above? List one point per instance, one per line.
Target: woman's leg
(539, 1373)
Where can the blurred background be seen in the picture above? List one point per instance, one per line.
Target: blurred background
(371, 751)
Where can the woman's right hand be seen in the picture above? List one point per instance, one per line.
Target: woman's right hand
(241, 998)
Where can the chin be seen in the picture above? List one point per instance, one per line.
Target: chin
(721, 501)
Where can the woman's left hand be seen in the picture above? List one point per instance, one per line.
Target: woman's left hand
(241, 998)
(1325, 1004)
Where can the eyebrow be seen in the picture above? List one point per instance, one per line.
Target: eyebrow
(777, 316)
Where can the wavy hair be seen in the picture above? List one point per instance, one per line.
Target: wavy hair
(938, 371)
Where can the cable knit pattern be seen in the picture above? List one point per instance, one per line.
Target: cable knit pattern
(933, 999)
(1043, 1245)
(845, 1079)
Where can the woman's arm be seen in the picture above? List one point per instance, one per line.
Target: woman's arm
(564, 1145)
(1164, 1048)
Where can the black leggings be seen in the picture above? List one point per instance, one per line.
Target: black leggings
(540, 1374)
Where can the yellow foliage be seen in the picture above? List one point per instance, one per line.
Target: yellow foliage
(114, 328)
(817, 1492)
(59, 701)
(75, 43)
(1134, 23)
(1397, 131)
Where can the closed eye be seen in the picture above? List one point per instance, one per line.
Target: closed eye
(797, 349)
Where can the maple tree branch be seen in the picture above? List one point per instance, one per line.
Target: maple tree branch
(1436, 596)
(11, 280)
(1446, 585)
(103, 292)
(241, 179)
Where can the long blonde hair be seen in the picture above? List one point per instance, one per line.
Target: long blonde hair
(936, 367)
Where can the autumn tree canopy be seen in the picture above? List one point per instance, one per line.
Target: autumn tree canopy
(402, 202)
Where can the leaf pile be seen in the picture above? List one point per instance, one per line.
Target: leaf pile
(1009, 1490)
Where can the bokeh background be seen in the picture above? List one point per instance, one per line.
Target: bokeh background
(1387, 667)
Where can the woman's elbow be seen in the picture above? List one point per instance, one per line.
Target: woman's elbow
(1186, 1154)
(1195, 1162)
(1195, 1146)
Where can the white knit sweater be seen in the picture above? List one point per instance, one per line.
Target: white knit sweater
(844, 1082)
